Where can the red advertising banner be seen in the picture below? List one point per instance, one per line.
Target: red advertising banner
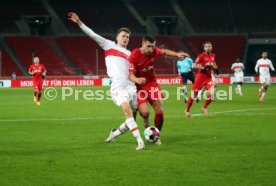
(170, 80)
(58, 82)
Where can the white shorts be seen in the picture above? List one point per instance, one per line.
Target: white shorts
(238, 79)
(264, 79)
(124, 93)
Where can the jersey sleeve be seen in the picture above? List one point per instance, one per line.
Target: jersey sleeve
(242, 66)
(271, 66)
(132, 62)
(158, 51)
(198, 60)
(102, 42)
(31, 68)
(257, 66)
(232, 67)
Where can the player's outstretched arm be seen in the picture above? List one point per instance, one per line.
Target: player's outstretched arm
(137, 80)
(180, 55)
(271, 66)
(75, 18)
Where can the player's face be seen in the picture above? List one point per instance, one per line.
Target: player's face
(123, 39)
(36, 60)
(148, 47)
(208, 47)
(264, 55)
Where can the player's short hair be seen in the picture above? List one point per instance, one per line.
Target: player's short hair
(149, 38)
(207, 42)
(123, 29)
(264, 52)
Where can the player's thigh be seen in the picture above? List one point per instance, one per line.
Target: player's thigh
(133, 102)
(154, 94)
(198, 84)
(119, 95)
(209, 84)
(40, 87)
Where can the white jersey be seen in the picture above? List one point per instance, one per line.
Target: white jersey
(263, 66)
(116, 58)
(238, 69)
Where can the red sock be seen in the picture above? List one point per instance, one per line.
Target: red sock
(35, 94)
(190, 103)
(159, 120)
(39, 96)
(207, 102)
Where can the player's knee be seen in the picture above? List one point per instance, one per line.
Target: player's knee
(144, 114)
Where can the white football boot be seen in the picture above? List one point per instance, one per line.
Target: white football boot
(111, 136)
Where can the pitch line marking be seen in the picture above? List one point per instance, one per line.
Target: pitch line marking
(107, 118)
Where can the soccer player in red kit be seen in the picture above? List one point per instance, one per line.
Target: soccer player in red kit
(206, 65)
(38, 72)
(141, 71)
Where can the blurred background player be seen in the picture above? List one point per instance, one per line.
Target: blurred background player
(184, 67)
(238, 68)
(262, 68)
(141, 70)
(206, 65)
(38, 72)
(123, 91)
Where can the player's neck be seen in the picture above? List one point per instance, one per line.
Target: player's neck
(143, 52)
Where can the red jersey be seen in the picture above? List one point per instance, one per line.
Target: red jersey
(38, 70)
(142, 65)
(205, 59)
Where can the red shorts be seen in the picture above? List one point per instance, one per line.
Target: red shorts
(149, 93)
(38, 86)
(199, 83)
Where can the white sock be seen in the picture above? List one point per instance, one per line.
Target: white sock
(121, 130)
(239, 89)
(132, 125)
(263, 95)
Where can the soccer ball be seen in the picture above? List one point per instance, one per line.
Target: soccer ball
(152, 134)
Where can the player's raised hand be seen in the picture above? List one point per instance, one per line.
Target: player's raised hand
(74, 17)
(141, 81)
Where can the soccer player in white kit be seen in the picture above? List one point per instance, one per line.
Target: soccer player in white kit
(238, 68)
(262, 67)
(123, 91)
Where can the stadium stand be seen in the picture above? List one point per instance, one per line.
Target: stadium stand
(8, 65)
(23, 46)
(12, 10)
(83, 52)
(97, 15)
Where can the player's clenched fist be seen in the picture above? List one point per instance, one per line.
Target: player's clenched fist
(74, 17)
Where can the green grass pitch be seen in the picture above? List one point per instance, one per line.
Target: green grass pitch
(61, 142)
